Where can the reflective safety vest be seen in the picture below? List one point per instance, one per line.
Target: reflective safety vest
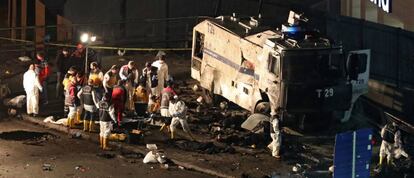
(87, 95)
(94, 76)
(104, 111)
(66, 82)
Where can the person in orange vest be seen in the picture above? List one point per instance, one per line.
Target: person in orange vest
(119, 97)
(96, 75)
(140, 99)
(110, 79)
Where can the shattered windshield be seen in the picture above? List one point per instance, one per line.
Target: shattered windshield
(313, 67)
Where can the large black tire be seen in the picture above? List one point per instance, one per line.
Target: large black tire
(262, 107)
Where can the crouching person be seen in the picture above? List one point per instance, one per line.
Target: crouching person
(88, 95)
(178, 111)
(105, 119)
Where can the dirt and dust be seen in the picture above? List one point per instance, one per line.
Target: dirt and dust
(221, 144)
(62, 156)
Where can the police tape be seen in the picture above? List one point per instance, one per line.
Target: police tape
(100, 47)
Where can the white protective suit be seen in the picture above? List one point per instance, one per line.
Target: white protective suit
(33, 88)
(275, 132)
(178, 111)
(389, 149)
(276, 137)
(162, 75)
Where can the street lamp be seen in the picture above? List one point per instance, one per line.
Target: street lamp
(87, 39)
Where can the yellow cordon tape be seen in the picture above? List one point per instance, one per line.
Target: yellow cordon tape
(103, 47)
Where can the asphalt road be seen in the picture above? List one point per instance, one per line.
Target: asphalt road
(31, 151)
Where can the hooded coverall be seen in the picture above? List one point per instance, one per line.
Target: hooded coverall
(162, 74)
(275, 132)
(178, 111)
(391, 140)
(32, 87)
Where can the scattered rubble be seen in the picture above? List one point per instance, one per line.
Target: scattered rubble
(16, 102)
(202, 147)
(47, 167)
(106, 155)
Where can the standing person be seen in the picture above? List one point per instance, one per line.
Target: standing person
(72, 101)
(166, 94)
(96, 75)
(81, 80)
(32, 87)
(178, 111)
(77, 58)
(43, 72)
(276, 136)
(149, 74)
(119, 97)
(110, 79)
(62, 66)
(88, 95)
(391, 140)
(129, 74)
(105, 118)
(140, 99)
(162, 72)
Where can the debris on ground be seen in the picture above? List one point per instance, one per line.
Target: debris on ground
(80, 168)
(76, 135)
(24, 58)
(47, 167)
(17, 102)
(28, 138)
(155, 157)
(131, 155)
(106, 155)
(309, 157)
(202, 147)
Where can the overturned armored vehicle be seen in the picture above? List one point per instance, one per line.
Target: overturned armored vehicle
(294, 70)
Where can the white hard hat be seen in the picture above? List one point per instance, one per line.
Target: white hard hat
(160, 53)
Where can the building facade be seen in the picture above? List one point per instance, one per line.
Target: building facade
(400, 12)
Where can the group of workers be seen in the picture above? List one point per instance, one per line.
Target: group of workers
(109, 96)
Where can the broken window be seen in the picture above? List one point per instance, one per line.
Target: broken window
(273, 65)
(199, 45)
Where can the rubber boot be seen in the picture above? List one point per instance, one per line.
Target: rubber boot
(85, 125)
(78, 118)
(70, 122)
(162, 127)
(381, 160)
(91, 126)
(105, 144)
(100, 142)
